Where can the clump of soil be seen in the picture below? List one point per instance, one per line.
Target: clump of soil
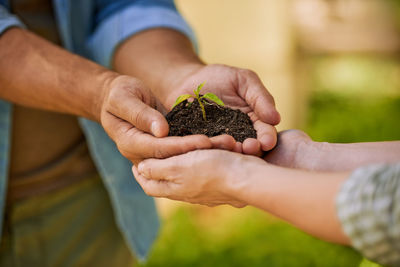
(187, 119)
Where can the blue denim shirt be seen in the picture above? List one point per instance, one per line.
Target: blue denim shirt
(93, 28)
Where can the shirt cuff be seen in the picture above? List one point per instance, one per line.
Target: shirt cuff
(8, 20)
(134, 19)
(368, 206)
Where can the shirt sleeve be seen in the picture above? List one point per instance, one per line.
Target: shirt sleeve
(130, 20)
(368, 206)
(8, 20)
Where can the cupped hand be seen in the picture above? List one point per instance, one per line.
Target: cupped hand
(239, 89)
(201, 177)
(140, 131)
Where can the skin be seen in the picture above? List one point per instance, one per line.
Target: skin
(36, 73)
(295, 149)
(303, 192)
(238, 88)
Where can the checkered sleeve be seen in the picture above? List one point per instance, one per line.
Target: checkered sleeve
(368, 206)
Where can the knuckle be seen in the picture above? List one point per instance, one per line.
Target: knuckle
(160, 153)
(124, 150)
(149, 174)
(255, 98)
(141, 91)
(125, 153)
(247, 72)
(148, 191)
(138, 117)
(113, 97)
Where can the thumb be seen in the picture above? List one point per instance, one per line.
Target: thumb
(259, 99)
(148, 119)
(132, 109)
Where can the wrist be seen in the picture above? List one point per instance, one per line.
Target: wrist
(325, 157)
(242, 177)
(312, 156)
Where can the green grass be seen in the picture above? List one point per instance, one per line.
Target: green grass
(200, 236)
(355, 99)
(343, 119)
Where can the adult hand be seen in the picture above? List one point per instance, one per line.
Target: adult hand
(201, 177)
(139, 130)
(239, 89)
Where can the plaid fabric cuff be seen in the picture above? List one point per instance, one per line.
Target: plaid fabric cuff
(368, 206)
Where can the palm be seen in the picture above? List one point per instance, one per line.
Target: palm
(238, 89)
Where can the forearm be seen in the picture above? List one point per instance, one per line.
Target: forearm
(159, 57)
(344, 157)
(304, 199)
(36, 73)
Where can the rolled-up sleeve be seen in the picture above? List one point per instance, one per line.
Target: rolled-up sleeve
(368, 206)
(8, 20)
(132, 19)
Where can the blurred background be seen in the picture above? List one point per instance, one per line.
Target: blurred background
(333, 67)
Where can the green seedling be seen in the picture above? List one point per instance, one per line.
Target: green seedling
(199, 98)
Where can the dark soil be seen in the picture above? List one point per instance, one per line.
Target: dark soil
(187, 119)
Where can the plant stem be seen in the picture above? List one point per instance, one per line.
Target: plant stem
(202, 108)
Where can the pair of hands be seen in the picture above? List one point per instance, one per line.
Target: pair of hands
(196, 168)
(211, 177)
(140, 131)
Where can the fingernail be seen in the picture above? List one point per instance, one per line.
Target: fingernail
(144, 170)
(277, 115)
(155, 129)
(265, 141)
(140, 168)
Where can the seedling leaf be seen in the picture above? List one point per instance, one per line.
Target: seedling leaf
(197, 91)
(181, 98)
(199, 98)
(214, 98)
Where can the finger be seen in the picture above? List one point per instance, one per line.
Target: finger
(252, 146)
(164, 169)
(258, 97)
(147, 146)
(136, 145)
(225, 142)
(115, 126)
(238, 147)
(151, 187)
(266, 135)
(132, 109)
